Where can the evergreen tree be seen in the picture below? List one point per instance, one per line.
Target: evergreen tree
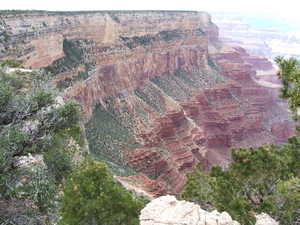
(201, 196)
(92, 196)
(289, 75)
(258, 180)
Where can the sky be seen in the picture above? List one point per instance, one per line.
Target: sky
(288, 7)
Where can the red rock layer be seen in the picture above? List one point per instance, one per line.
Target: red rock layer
(261, 100)
(124, 70)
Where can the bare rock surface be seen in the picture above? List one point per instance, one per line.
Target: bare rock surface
(265, 219)
(168, 210)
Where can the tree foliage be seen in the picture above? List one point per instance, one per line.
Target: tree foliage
(201, 196)
(289, 74)
(33, 122)
(263, 179)
(257, 180)
(13, 63)
(92, 196)
(36, 123)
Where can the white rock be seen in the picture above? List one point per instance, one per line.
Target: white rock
(11, 70)
(29, 161)
(167, 210)
(265, 219)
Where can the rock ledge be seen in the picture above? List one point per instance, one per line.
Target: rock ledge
(167, 210)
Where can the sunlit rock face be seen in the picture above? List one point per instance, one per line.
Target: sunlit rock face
(159, 91)
(168, 210)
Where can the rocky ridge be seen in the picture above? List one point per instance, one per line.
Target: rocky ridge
(159, 90)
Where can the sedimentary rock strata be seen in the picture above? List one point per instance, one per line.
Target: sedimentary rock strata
(159, 91)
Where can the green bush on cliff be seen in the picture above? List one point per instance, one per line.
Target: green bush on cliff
(13, 63)
(289, 74)
(139, 92)
(33, 123)
(36, 126)
(265, 179)
(183, 75)
(92, 196)
(251, 184)
(63, 84)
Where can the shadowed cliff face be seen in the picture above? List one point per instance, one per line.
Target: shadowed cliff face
(158, 89)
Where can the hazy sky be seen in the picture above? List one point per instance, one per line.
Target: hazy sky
(198, 5)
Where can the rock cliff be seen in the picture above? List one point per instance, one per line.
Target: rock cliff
(36, 38)
(159, 90)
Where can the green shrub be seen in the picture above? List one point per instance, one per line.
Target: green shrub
(32, 122)
(92, 196)
(58, 164)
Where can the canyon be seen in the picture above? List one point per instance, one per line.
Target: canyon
(261, 34)
(159, 90)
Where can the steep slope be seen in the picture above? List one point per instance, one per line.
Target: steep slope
(159, 90)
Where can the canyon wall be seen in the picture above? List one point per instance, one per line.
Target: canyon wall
(36, 38)
(159, 91)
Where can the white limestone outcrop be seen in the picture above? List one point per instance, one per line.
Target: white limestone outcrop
(167, 210)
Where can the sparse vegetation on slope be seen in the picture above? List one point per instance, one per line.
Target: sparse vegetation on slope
(74, 57)
(107, 137)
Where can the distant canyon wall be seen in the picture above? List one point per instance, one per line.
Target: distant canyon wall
(268, 43)
(37, 38)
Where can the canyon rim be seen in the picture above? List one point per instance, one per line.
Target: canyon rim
(159, 90)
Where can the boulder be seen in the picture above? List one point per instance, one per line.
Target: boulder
(168, 210)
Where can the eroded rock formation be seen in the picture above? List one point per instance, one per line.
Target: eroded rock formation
(160, 92)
